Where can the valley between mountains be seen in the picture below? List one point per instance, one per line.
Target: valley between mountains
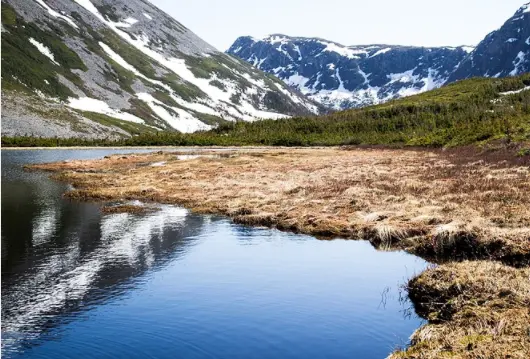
(416, 150)
(101, 69)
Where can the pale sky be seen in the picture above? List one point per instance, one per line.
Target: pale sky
(349, 22)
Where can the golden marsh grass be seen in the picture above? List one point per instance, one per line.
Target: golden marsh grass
(446, 206)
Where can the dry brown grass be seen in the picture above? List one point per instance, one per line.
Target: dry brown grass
(444, 206)
(438, 205)
(128, 208)
(475, 310)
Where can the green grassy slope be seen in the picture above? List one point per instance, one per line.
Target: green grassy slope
(24, 67)
(467, 112)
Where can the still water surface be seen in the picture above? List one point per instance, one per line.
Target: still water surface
(171, 284)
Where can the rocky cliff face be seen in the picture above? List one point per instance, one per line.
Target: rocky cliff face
(350, 76)
(504, 52)
(343, 77)
(108, 68)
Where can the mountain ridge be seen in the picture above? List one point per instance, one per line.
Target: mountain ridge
(365, 76)
(341, 44)
(124, 67)
(496, 54)
(399, 70)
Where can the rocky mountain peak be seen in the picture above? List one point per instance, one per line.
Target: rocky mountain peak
(503, 52)
(129, 67)
(341, 77)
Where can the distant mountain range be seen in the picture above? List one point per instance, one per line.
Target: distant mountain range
(341, 77)
(112, 68)
(117, 68)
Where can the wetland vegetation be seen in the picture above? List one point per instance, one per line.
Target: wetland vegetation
(464, 210)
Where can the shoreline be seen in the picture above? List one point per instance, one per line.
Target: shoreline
(353, 194)
(129, 147)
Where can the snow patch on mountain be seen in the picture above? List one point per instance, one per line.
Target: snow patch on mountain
(405, 77)
(183, 121)
(341, 76)
(342, 50)
(130, 20)
(519, 60)
(275, 39)
(294, 98)
(515, 92)
(43, 50)
(115, 57)
(56, 14)
(299, 82)
(382, 51)
(101, 107)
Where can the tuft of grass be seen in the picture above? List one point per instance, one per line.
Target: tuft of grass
(474, 310)
(128, 208)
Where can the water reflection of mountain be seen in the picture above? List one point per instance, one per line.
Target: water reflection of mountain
(60, 258)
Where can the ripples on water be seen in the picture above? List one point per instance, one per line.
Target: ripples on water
(78, 284)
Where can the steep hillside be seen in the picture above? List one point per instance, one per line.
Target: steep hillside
(343, 77)
(123, 67)
(473, 111)
(504, 52)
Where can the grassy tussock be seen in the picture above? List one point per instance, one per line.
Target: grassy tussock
(475, 310)
(128, 208)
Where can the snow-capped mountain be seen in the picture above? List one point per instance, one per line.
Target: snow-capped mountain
(342, 77)
(504, 52)
(117, 67)
(350, 76)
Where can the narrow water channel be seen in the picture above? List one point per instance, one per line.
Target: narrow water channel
(77, 283)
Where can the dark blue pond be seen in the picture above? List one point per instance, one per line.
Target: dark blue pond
(171, 284)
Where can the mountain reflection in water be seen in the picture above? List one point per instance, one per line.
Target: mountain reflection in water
(61, 257)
